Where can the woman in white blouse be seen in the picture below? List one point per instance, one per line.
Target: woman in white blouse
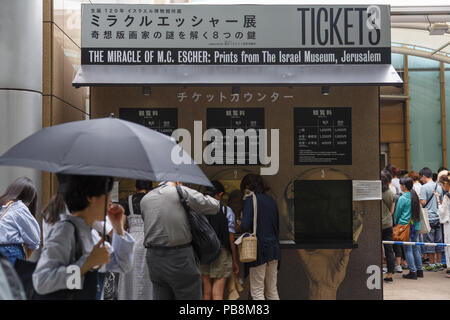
(19, 230)
(73, 244)
(444, 217)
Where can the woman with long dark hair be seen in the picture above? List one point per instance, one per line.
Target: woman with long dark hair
(19, 231)
(263, 271)
(407, 211)
(387, 206)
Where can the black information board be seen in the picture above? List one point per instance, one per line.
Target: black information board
(323, 211)
(164, 120)
(245, 150)
(323, 136)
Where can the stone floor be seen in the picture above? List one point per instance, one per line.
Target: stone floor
(433, 286)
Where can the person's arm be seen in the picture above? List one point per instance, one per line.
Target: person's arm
(398, 210)
(247, 215)
(28, 228)
(122, 243)
(200, 203)
(423, 196)
(231, 231)
(50, 274)
(392, 208)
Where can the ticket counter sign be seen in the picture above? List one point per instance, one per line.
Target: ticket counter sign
(323, 136)
(124, 34)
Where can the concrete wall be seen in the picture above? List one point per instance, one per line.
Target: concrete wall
(20, 80)
(61, 61)
(296, 279)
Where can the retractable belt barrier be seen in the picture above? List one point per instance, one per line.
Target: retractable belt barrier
(417, 243)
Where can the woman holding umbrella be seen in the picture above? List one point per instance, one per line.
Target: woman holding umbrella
(72, 242)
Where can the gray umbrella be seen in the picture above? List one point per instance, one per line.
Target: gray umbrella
(105, 147)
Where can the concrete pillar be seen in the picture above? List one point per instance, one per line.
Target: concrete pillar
(20, 80)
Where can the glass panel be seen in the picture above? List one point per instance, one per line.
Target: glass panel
(425, 120)
(397, 60)
(323, 211)
(422, 63)
(447, 108)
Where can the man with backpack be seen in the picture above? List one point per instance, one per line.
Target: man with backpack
(430, 195)
(171, 260)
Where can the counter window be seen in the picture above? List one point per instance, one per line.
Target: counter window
(323, 211)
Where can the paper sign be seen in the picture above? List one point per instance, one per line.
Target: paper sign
(366, 190)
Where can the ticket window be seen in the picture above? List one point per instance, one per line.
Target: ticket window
(323, 211)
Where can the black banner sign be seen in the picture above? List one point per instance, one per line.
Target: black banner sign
(237, 118)
(235, 56)
(323, 136)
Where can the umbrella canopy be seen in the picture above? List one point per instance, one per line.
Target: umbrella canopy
(105, 147)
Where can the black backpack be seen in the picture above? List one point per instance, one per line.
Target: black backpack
(219, 222)
(205, 242)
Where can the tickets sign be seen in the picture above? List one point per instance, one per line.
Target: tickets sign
(235, 34)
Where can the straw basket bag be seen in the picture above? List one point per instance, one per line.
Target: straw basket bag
(247, 242)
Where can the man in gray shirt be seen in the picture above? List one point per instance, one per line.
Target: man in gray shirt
(429, 194)
(170, 257)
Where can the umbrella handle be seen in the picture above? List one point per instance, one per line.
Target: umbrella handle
(106, 204)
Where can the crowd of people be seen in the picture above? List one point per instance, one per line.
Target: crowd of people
(145, 241)
(405, 196)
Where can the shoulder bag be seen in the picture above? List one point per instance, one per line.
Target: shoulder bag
(205, 242)
(248, 242)
(424, 222)
(25, 271)
(400, 232)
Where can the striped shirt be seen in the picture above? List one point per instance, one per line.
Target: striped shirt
(18, 226)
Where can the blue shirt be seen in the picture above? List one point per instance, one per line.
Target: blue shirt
(231, 219)
(18, 226)
(402, 213)
(427, 193)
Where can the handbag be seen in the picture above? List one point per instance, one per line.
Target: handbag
(248, 242)
(424, 222)
(401, 232)
(205, 242)
(25, 270)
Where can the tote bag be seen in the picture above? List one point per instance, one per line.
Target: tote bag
(424, 222)
(248, 242)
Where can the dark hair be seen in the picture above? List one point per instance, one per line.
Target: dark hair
(444, 179)
(255, 183)
(392, 170)
(80, 188)
(426, 172)
(144, 185)
(387, 174)
(384, 182)
(414, 175)
(442, 169)
(415, 204)
(403, 173)
(57, 205)
(215, 189)
(21, 189)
